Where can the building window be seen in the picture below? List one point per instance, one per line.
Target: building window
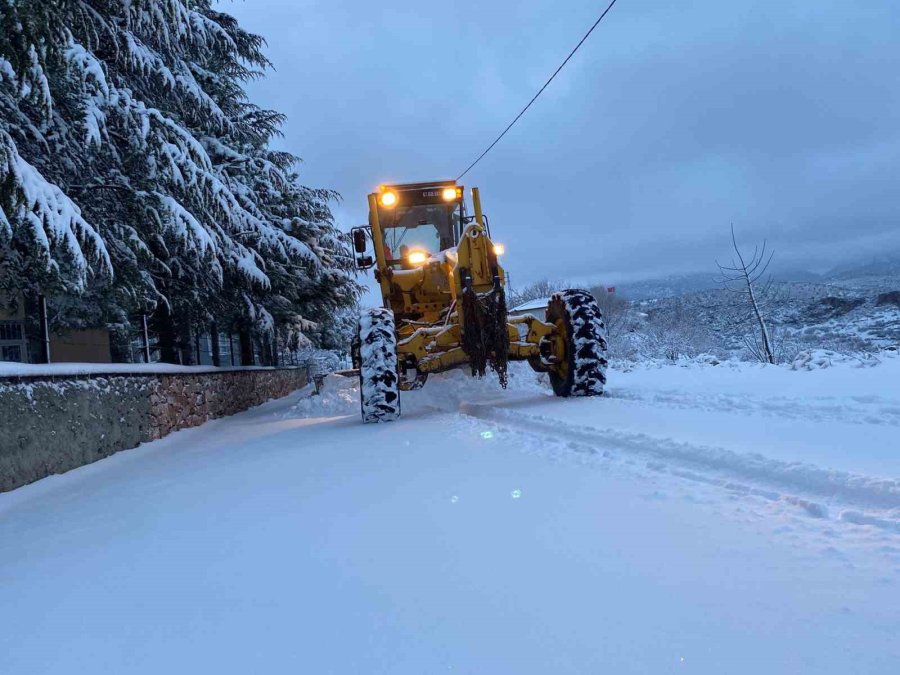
(12, 341)
(10, 331)
(11, 353)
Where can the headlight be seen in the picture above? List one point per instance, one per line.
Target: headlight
(388, 198)
(450, 194)
(499, 249)
(417, 257)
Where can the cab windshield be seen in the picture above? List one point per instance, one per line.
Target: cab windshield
(428, 227)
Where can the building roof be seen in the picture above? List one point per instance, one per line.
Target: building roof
(540, 303)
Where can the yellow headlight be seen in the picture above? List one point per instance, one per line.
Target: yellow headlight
(417, 257)
(388, 198)
(499, 249)
(449, 194)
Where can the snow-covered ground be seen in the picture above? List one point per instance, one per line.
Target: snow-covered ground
(704, 519)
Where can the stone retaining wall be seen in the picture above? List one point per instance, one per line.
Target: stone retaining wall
(51, 424)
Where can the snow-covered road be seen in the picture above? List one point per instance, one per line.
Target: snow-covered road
(705, 519)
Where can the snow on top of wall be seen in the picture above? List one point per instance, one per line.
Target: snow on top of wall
(10, 369)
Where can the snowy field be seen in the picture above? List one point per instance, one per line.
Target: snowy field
(701, 519)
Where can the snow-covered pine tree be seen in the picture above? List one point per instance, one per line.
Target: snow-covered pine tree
(127, 135)
(311, 282)
(44, 238)
(306, 260)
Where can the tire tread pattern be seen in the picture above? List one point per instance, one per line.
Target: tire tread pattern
(379, 383)
(587, 342)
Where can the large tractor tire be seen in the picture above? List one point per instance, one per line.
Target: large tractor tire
(379, 391)
(581, 347)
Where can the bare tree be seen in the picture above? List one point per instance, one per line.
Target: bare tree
(745, 277)
(536, 291)
(616, 310)
(673, 332)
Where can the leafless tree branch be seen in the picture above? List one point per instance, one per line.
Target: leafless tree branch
(742, 276)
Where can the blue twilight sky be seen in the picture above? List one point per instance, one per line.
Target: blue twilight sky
(673, 120)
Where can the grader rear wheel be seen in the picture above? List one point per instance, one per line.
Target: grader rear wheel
(580, 344)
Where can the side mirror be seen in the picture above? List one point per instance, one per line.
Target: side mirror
(359, 240)
(364, 262)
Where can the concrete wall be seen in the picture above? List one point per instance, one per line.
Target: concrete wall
(51, 424)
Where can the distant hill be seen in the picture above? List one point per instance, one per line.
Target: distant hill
(881, 275)
(801, 316)
(670, 286)
(851, 309)
(888, 265)
(677, 285)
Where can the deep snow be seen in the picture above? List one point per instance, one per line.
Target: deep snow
(706, 519)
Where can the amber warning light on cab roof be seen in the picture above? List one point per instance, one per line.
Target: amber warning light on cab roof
(389, 198)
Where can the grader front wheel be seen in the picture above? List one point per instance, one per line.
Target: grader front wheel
(579, 344)
(379, 394)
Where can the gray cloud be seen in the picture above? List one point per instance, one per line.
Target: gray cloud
(673, 121)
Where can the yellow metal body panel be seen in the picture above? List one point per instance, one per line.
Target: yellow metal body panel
(475, 253)
(425, 303)
(476, 202)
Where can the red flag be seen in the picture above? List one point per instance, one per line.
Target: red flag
(611, 289)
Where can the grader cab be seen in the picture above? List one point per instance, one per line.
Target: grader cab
(444, 293)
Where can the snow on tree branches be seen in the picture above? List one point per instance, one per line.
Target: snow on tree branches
(128, 145)
(38, 213)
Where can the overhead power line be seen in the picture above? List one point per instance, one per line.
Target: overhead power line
(540, 91)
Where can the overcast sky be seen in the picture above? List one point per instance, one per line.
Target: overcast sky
(673, 120)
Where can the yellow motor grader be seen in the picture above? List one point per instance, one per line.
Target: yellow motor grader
(444, 294)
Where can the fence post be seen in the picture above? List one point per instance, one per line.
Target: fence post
(45, 327)
(214, 344)
(245, 342)
(146, 339)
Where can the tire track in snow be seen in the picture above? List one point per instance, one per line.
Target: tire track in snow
(864, 410)
(695, 462)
